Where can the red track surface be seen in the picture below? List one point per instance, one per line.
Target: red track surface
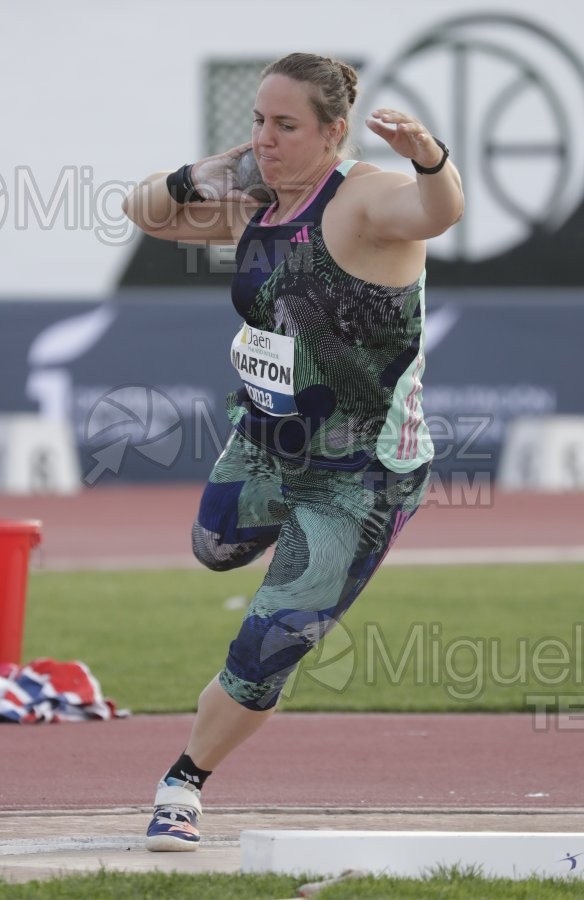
(319, 760)
(138, 522)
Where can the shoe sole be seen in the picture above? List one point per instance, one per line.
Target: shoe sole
(166, 843)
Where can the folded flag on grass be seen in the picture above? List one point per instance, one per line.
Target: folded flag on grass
(46, 690)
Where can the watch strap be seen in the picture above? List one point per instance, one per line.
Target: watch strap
(431, 170)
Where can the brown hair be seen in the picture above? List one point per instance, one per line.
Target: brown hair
(334, 83)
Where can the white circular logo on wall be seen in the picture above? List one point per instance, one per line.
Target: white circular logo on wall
(508, 97)
(4, 202)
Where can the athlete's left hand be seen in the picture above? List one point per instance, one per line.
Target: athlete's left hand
(405, 135)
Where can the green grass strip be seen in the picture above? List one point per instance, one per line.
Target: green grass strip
(430, 639)
(455, 885)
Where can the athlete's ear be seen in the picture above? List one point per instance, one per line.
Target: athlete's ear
(336, 130)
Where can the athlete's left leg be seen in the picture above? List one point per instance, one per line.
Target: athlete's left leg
(340, 527)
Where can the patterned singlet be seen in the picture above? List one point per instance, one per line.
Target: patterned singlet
(331, 365)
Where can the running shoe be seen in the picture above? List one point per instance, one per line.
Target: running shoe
(177, 808)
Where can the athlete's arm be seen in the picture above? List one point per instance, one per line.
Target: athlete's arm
(153, 210)
(222, 180)
(399, 207)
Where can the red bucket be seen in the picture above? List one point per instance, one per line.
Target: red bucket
(16, 541)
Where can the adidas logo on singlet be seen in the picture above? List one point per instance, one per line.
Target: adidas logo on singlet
(301, 237)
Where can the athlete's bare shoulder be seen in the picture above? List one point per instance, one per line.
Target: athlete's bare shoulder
(361, 168)
(364, 180)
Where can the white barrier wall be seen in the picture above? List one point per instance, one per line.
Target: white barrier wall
(412, 854)
(95, 96)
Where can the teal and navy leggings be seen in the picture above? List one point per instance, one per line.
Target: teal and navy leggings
(331, 529)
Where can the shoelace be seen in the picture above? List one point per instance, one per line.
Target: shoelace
(173, 811)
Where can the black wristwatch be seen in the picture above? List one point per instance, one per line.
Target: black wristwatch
(424, 170)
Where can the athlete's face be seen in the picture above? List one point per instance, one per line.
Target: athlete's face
(289, 142)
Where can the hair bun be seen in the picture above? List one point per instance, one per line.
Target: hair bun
(350, 78)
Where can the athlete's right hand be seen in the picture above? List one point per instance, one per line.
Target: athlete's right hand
(226, 176)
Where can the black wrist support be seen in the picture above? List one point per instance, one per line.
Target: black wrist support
(181, 188)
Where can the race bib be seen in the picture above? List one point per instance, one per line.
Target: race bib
(265, 362)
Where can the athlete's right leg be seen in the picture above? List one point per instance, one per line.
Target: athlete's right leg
(242, 508)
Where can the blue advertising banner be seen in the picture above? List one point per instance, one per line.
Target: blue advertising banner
(143, 377)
